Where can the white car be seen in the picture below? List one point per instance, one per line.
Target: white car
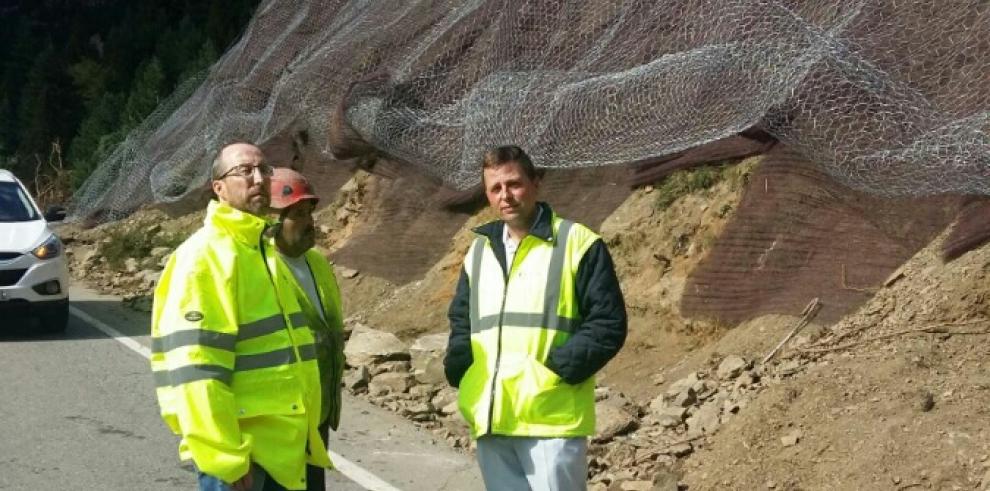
(34, 274)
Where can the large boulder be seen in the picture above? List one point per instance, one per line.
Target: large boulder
(357, 379)
(731, 367)
(613, 421)
(426, 355)
(445, 397)
(390, 383)
(706, 419)
(671, 416)
(367, 346)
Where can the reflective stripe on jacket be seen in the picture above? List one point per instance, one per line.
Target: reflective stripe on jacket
(233, 357)
(516, 319)
(329, 333)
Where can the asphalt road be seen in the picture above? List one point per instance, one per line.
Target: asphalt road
(77, 411)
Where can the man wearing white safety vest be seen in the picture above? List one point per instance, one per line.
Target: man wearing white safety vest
(233, 358)
(537, 312)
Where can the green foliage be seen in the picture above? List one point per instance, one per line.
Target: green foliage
(67, 71)
(685, 182)
(96, 134)
(90, 79)
(146, 92)
(179, 50)
(205, 58)
(35, 132)
(738, 174)
(8, 126)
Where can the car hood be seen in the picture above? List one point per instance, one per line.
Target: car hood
(22, 236)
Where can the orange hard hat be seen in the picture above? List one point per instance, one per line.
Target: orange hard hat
(288, 187)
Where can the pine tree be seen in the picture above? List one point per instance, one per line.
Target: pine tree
(90, 79)
(84, 151)
(178, 47)
(67, 71)
(206, 57)
(146, 92)
(32, 114)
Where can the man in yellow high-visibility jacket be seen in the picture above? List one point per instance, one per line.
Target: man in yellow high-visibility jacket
(233, 357)
(537, 312)
(316, 290)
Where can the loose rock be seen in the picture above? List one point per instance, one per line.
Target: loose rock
(636, 486)
(706, 418)
(926, 402)
(357, 378)
(731, 367)
(613, 421)
(791, 439)
(390, 383)
(367, 346)
(426, 357)
(671, 416)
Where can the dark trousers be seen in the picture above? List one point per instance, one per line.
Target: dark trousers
(316, 477)
(315, 481)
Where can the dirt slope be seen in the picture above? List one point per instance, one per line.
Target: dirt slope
(907, 410)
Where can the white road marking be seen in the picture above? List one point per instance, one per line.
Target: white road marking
(388, 453)
(352, 471)
(357, 474)
(111, 332)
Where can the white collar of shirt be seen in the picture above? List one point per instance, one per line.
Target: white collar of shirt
(511, 245)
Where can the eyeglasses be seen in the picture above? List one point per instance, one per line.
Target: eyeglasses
(247, 170)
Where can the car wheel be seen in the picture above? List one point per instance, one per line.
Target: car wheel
(55, 319)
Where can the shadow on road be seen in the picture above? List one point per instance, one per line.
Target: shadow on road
(130, 323)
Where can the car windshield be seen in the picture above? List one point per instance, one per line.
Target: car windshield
(15, 206)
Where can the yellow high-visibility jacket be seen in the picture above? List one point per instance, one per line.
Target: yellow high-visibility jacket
(328, 330)
(233, 359)
(521, 314)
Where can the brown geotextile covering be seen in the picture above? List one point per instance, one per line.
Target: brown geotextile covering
(797, 235)
(971, 229)
(414, 228)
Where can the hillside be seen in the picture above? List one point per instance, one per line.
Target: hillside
(868, 401)
(893, 396)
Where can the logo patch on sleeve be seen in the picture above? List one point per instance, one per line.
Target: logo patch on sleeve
(194, 316)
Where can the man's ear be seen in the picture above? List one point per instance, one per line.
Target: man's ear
(217, 188)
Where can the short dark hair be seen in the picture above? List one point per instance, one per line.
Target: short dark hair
(216, 169)
(499, 156)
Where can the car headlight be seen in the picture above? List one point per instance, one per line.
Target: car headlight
(50, 248)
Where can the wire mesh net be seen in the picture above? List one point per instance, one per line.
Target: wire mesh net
(888, 97)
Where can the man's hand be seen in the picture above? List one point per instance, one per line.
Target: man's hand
(245, 483)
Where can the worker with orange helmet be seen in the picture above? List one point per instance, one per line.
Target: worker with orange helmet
(315, 287)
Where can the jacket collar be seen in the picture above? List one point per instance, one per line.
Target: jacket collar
(542, 228)
(243, 227)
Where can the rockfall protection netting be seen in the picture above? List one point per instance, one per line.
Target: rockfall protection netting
(888, 97)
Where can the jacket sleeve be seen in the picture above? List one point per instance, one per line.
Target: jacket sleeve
(603, 312)
(195, 333)
(459, 356)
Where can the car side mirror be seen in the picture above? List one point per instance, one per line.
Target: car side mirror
(55, 214)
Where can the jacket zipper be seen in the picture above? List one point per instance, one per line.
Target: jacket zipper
(498, 349)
